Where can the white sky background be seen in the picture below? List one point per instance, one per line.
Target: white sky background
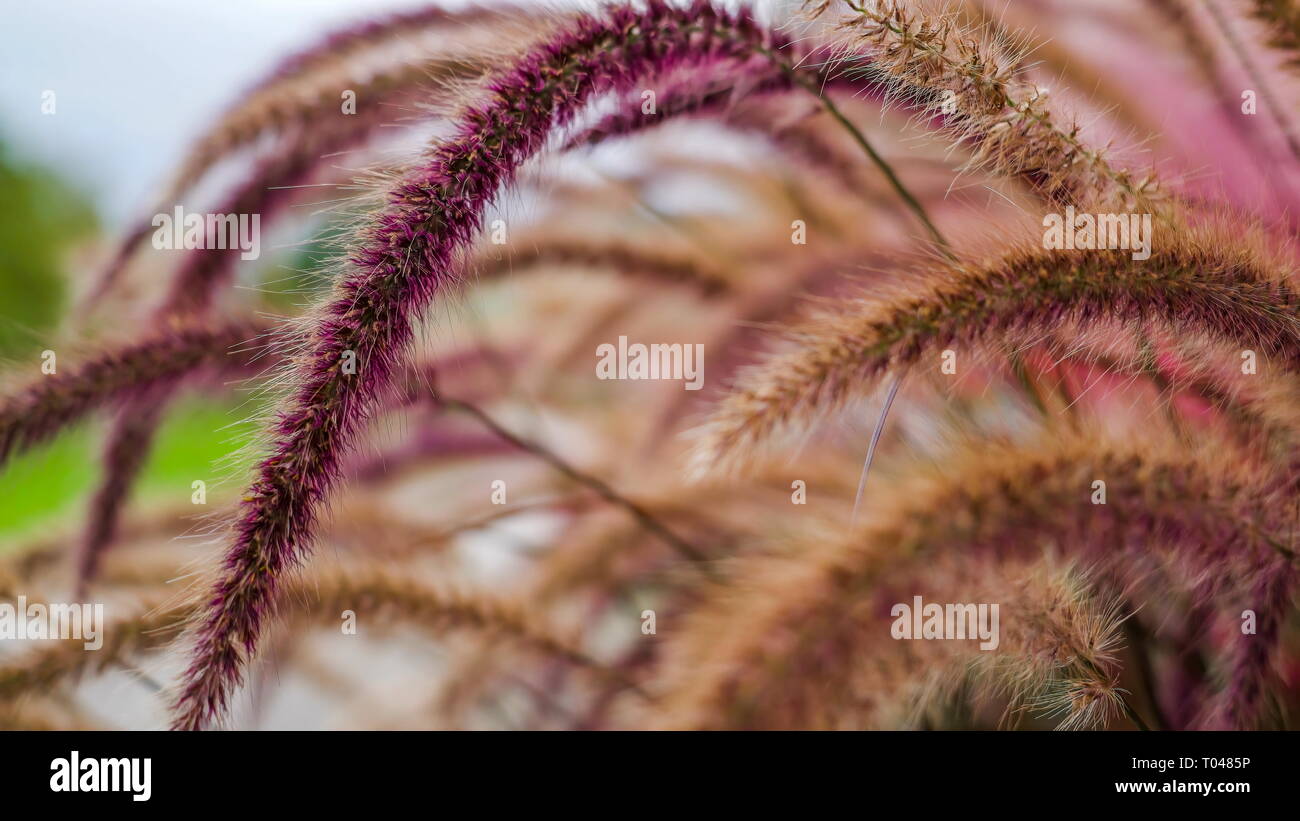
(137, 80)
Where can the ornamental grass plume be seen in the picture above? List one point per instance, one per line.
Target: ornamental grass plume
(932, 57)
(434, 609)
(1007, 501)
(38, 410)
(203, 274)
(408, 255)
(827, 228)
(1203, 284)
(1061, 656)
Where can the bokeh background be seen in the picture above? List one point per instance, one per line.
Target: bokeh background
(137, 81)
(71, 180)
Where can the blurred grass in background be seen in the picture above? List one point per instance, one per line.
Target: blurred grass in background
(46, 490)
(41, 218)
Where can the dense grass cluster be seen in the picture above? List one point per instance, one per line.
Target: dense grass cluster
(844, 209)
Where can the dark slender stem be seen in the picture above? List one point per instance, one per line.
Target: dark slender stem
(1256, 76)
(643, 517)
(1134, 717)
(831, 108)
(1139, 643)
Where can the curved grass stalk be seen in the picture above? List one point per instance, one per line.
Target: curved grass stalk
(129, 441)
(548, 249)
(406, 258)
(131, 436)
(786, 71)
(1206, 286)
(46, 405)
(270, 189)
(1206, 283)
(996, 502)
(1056, 656)
(352, 40)
(1244, 699)
(1051, 57)
(1059, 641)
(384, 598)
(1005, 117)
